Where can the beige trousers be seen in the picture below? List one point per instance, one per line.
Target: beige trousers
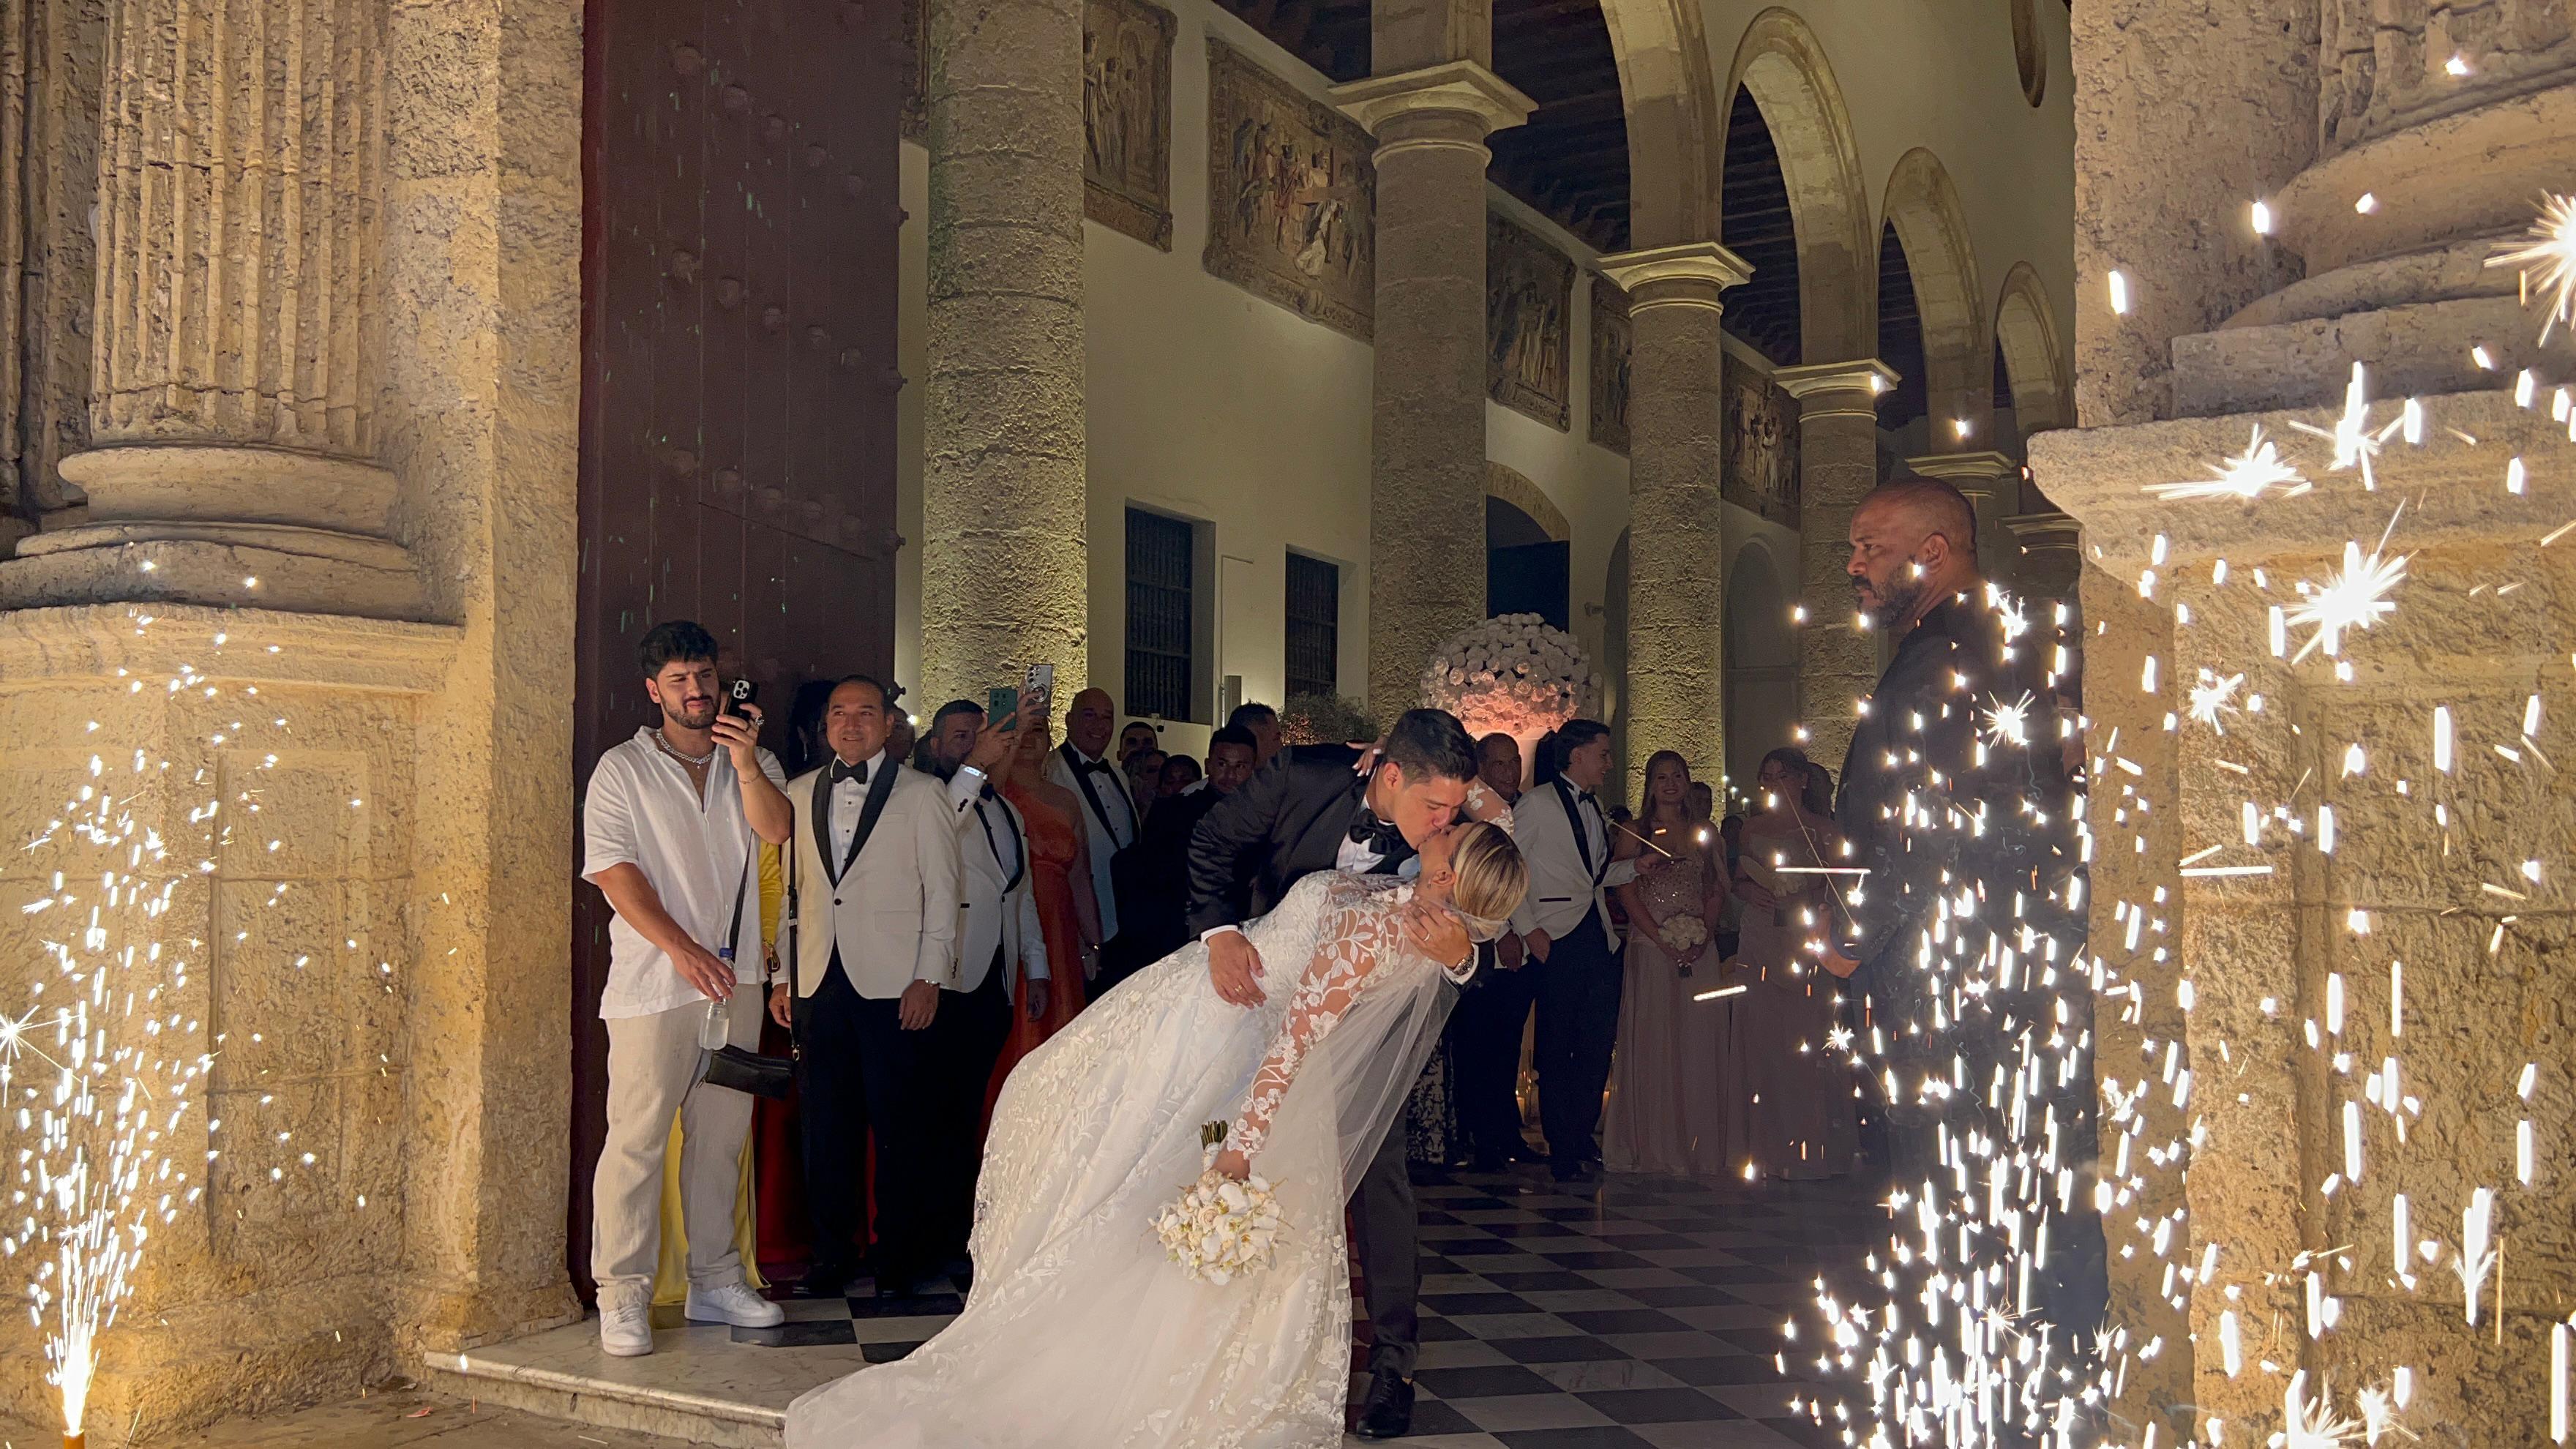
(653, 1067)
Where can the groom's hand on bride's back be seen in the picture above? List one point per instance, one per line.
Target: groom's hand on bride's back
(1234, 968)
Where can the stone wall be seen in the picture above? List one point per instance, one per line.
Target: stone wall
(384, 984)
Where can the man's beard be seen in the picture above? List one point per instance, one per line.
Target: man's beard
(1896, 601)
(691, 714)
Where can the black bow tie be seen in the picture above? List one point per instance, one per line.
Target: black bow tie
(1095, 767)
(841, 772)
(987, 792)
(1378, 835)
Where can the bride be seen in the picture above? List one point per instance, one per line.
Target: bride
(1080, 1333)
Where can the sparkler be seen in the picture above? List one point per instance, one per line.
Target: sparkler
(106, 1068)
(2249, 475)
(2547, 258)
(2355, 444)
(2354, 598)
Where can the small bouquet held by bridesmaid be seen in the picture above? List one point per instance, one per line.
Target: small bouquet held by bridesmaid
(1220, 1229)
(1681, 933)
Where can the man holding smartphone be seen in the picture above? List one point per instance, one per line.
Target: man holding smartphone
(668, 823)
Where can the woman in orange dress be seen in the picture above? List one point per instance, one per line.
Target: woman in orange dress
(1060, 874)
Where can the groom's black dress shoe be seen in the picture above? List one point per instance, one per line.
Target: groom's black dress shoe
(1388, 1411)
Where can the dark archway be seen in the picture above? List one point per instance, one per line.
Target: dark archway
(1526, 571)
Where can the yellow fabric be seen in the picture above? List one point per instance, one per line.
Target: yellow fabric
(671, 1275)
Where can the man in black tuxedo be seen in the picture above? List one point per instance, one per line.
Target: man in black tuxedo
(1153, 879)
(1311, 810)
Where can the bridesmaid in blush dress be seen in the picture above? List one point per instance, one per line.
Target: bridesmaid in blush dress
(1060, 874)
(1788, 1090)
(1666, 1113)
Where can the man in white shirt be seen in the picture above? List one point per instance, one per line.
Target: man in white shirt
(668, 824)
(873, 902)
(1564, 923)
(999, 940)
(1108, 811)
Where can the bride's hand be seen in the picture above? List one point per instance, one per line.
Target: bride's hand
(1233, 1164)
(1438, 933)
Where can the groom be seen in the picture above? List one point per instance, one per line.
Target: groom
(1308, 811)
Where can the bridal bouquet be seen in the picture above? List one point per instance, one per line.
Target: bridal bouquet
(1513, 673)
(1220, 1228)
(1681, 933)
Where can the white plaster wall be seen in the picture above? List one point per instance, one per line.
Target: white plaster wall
(1940, 74)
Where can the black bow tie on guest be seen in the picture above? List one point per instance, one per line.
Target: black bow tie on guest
(987, 792)
(857, 772)
(1378, 835)
(1094, 767)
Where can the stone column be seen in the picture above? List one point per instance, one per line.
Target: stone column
(2051, 552)
(238, 345)
(1005, 561)
(1676, 545)
(1838, 465)
(1992, 482)
(2452, 119)
(1427, 445)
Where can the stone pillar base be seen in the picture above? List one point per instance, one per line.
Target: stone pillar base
(228, 527)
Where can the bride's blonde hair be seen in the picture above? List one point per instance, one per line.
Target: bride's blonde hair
(1491, 876)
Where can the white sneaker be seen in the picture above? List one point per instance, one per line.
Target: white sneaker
(736, 1304)
(626, 1330)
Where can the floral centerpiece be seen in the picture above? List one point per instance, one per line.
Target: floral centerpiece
(1220, 1229)
(1515, 673)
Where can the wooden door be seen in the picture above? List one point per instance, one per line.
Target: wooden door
(738, 380)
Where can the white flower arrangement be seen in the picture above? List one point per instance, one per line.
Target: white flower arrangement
(1513, 673)
(1681, 933)
(1221, 1229)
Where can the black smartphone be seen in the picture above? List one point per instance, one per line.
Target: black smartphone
(742, 693)
(1002, 706)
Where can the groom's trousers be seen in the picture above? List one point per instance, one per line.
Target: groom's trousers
(1579, 987)
(1382, 1213)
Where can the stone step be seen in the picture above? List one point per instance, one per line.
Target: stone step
(698, 1385)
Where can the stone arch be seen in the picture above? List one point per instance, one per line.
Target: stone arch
(1958, 361)
(2034, 353)
(1673, 134)
(1515, 488)
(1782, 62)
(1761, 662)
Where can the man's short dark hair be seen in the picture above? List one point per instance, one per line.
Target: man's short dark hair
(1250, 713)
(1483, 744)
(679, 641)
(954, 707)
(1942, 507)
(1432, 742)
(1570, 736)
(1232, 735)
(885, 696)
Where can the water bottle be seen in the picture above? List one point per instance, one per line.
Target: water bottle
(717, 1029)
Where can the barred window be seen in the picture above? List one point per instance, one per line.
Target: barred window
(1314, 626)
(1160, 666)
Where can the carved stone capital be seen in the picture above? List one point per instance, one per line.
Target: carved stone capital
(1689, 274)
(1452, 90)
(1830, 389)
(1983, 472)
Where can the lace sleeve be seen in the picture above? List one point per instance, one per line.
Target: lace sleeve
(1357, 932)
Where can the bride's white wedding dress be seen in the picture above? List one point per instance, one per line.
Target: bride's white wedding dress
(1080, 1334)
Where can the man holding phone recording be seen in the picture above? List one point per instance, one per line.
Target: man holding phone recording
(668, 821)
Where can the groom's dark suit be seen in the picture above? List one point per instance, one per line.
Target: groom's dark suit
(1287, 823)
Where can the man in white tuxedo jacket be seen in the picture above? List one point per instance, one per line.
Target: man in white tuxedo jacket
(1000, 941)
(1564, 924)
(874, 938)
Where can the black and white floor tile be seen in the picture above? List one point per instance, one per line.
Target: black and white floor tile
(1630, 1312)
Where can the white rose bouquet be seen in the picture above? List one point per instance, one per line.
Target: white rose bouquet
(1513, 673)
(1220, 1229)
(1681, 933)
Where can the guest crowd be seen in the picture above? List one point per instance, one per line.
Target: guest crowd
(895, 921)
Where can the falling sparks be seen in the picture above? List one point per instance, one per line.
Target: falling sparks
(2547, 259)
(2008, 723)
(2248, 475)
(2213, 699)
(2355, 445)
(2354, 598)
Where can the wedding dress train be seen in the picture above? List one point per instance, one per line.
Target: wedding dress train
(1080, 1333)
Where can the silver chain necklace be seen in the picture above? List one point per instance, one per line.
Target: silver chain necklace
(698, 762)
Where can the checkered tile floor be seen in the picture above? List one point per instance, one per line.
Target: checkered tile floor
(1632, 1312)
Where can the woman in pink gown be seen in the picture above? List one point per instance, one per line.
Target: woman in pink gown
(1665, 1113)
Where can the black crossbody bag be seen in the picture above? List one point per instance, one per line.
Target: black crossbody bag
(736, 1067)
